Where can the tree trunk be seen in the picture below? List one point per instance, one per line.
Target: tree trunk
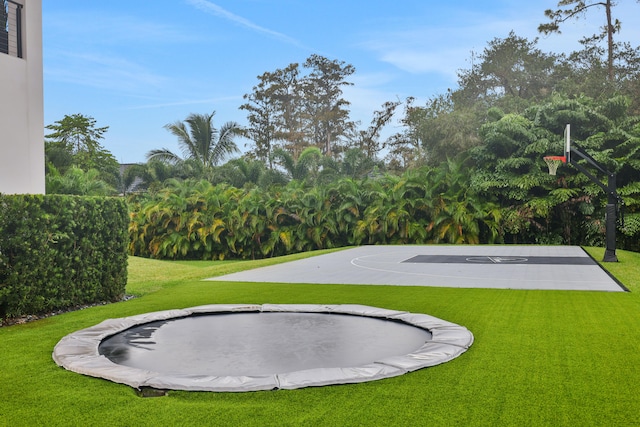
(610, 31)
(327, 146)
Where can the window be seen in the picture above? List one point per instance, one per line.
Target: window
(11, 28)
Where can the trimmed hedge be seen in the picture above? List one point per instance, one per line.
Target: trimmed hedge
(59, 251)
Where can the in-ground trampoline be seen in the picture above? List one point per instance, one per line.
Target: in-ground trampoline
(260, 347)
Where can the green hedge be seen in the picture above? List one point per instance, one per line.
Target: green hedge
(198, 220)
(61, 251)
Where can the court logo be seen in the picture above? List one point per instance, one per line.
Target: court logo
(496, 260)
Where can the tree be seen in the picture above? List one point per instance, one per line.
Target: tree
(439, 130)
(75, 141)
(78, 135)
(270, 111)
(368, 141)
(576, 9)
(133, 178)
(200, 140)
(287, 97)
(406, 147)
(567, 208)
(357, 164)
(153, 174)
(240, 172)
(78, 182)
(507, 68)
(325, 111)
(305, 167)
(299, 111)
(460, 214)
(511, 73)
(273, 111)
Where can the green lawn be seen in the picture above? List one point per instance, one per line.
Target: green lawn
(539, 358)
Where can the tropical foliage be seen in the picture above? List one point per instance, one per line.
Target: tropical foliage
(509, 168)
(76, 159)
(498, 191)
(200, 141)
(189, 219)
(78, 182)
(466, 167)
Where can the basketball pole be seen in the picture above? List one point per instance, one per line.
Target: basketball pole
(612, 196)
(611, 218)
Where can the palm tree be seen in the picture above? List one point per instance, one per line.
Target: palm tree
(78, 182)
(200, 140)
(460, 214)
(304, 168)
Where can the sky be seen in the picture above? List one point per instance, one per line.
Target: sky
(137, 65)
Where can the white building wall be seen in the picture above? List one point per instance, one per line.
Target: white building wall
(21, 110)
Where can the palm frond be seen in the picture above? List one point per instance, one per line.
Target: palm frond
(164, 155)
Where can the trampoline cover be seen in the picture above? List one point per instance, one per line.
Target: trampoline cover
(276, 351)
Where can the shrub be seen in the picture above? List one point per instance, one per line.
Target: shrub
(60, 251)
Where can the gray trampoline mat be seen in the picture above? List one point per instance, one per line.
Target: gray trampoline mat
(430, 341)
(458, 266)
(260, 343)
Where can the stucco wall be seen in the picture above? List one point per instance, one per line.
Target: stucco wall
(21, 110)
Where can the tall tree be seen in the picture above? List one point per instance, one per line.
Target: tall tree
(326, 112)
(287, 97)
(368, 140)
(75, 141)
(587, 72)
(273, 111)
(200, 140)
(77, 133)
(406, 147)
(261, 114)
(577, 9)
(440, 130)
(511, 73)
(297, 111)
(512, 67)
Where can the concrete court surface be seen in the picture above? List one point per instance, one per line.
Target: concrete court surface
(459, 266)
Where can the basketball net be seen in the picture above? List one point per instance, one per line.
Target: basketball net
(553, 162)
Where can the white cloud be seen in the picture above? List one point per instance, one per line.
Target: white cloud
(214, 9)
(431, 49)
(184, 102)
(109, 29)
(75, 50)
(445, 49)
(371, 79)
(100, 71)
(419, 61)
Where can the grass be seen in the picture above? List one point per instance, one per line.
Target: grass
(539, 358)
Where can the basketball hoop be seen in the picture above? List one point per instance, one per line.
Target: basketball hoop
(553, 162)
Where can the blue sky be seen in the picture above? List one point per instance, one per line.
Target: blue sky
(137, 65)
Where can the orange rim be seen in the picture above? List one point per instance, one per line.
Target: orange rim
(563, 159)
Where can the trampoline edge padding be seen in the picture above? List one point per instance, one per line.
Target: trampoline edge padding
(78, 352)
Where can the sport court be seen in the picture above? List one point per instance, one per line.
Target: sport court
(460, 266)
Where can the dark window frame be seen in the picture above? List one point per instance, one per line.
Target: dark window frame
(11, 34)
